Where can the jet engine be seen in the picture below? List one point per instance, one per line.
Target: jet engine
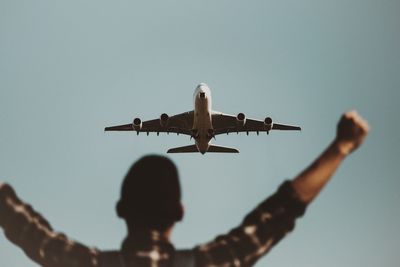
(241, 119)
(137, 124)
(268, 123)
(164, 118)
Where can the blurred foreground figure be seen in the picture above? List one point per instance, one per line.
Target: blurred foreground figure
(150, 204)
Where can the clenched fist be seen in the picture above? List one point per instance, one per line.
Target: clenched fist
(351, 132)
(6, 191)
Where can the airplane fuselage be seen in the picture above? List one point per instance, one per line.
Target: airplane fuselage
(202, 123)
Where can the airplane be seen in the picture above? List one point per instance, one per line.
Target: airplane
(202, 124)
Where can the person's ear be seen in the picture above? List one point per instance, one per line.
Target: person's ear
(120, 209)
(181, 212)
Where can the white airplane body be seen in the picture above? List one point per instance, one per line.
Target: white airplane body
(202, 117)
(202, 124)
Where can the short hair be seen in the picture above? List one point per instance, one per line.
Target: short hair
(151, 193)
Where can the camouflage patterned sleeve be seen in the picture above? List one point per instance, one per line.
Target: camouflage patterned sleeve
(27, 229)
(259, 232)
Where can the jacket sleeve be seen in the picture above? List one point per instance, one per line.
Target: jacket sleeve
(27, 229)
(261, 229)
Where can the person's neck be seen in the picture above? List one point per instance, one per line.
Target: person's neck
(145, 238)
(138, 232)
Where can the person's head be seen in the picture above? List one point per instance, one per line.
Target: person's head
(151, 194)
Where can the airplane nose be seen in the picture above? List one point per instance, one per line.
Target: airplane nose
(201, 85)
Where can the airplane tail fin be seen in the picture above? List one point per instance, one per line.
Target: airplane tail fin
(183, 149)
(222, 149)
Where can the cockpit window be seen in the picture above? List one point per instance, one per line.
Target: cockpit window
(202, 95)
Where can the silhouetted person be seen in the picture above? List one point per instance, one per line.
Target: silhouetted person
(151, 204)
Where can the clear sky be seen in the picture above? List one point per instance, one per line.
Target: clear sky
(70, 68)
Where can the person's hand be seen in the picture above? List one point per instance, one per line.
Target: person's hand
(7, 193)
(351, 132)
(5, 190)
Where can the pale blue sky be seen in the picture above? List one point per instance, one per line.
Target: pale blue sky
(70, 68)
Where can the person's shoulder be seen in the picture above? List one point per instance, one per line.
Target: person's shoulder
(110, 258)
(184, 258)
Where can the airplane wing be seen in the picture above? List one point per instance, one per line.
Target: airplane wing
(225, 123)
(180, 124)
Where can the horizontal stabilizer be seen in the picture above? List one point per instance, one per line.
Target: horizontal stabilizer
(183, 149)
(222, 149)
(211, 148)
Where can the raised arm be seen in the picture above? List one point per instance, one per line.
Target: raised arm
(266, 225)
(33, 234)
(351, 132)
